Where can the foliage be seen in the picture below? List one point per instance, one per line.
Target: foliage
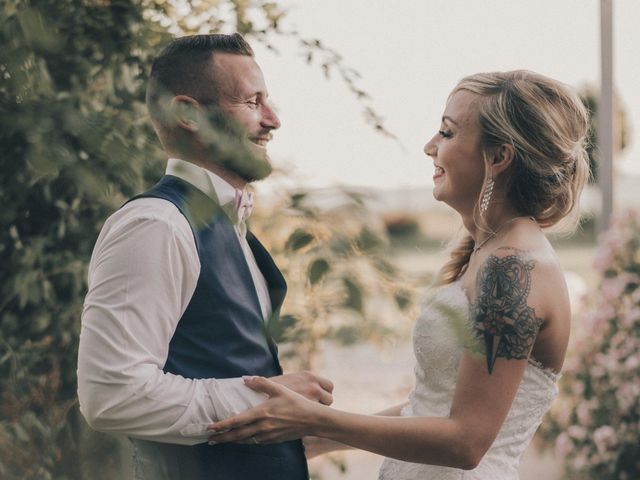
(74, 146)
(595, 424)
(76, 143)
(331, 248)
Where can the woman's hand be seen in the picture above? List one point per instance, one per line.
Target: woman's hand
(287, 415)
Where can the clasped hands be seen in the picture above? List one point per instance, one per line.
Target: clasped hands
(294, 400)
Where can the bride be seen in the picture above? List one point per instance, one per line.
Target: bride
(509, 158)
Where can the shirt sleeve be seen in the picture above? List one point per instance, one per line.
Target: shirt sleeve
(142, 274)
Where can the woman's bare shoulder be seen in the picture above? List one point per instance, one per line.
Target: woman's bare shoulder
(534, 267)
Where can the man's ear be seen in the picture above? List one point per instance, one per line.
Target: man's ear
(186, 111)
(502, 158)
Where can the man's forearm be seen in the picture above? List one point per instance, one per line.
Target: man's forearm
(158, 406)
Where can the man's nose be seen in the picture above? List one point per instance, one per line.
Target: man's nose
(270, 118)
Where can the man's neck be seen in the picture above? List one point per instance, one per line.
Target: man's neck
(231, 178)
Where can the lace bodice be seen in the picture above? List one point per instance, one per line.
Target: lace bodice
(439, 336)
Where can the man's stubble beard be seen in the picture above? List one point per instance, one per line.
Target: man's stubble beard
(248, 161)
(259, 167)
(229, 147)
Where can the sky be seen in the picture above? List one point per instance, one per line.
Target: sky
(411, 53)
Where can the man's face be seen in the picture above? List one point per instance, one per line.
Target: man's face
(243, 96)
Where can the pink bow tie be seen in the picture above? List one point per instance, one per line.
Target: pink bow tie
(243, 205)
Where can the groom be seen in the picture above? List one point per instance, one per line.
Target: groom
(180, 293)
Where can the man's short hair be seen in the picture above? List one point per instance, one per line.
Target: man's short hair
(184, 67)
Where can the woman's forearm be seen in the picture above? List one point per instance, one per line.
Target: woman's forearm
(392, 411)
(437, 441)
(315, 446)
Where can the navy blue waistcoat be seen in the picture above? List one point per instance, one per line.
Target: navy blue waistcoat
(222, 334)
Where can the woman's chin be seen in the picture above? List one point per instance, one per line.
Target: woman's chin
(437, 194)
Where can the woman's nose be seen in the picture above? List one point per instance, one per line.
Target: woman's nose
(430, 148)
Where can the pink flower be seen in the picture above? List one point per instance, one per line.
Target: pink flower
(577, 432)
(597, 370)
(578, 389)
(610, 361)
(581, 459)
(604, 438)
(633, 362)
(572, 362)
(564, 445)
(603, 259)
(612, 288)
(630, 317)
(635, 296)
(597, 320)
(627, 395)
(584, 413)
(561, 410)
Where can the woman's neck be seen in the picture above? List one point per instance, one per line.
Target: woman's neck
(483, 227)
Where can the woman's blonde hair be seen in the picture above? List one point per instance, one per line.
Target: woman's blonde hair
(547, 124)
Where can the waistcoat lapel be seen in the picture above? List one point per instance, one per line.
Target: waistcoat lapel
(275, 281)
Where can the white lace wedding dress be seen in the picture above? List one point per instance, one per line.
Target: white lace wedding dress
(438, 339)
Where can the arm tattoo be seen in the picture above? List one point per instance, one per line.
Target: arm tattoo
(500, 312)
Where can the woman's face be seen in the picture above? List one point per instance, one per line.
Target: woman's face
(456, 153)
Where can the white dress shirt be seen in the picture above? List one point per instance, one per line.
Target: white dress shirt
(142, 275)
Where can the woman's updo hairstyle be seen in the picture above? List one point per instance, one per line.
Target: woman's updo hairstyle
(547, 124)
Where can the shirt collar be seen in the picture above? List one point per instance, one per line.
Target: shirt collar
(208, 182)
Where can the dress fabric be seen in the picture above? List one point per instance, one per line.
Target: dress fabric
(441, 332)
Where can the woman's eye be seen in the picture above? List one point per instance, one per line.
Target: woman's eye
(445, 133)
(252, 103)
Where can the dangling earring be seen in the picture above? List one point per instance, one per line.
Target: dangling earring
(486, 196)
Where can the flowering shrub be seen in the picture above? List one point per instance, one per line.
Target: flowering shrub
(595, 425)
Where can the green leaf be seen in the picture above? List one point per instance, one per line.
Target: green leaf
(40, 323)
(299, 239)
(39, 32)
(10, 323)
(20, 433)
(297, 199)
(32, 423)
(341, 245)
(384, 266)
(403, 299)
(317, 270)
(42, 162)
(278, 326)
(354, 295)
(347, 335)
(368, 240)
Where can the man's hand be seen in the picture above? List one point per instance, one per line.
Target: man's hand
(309, 385)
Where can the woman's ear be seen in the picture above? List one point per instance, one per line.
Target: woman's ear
(186, 111)
(502, 158)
